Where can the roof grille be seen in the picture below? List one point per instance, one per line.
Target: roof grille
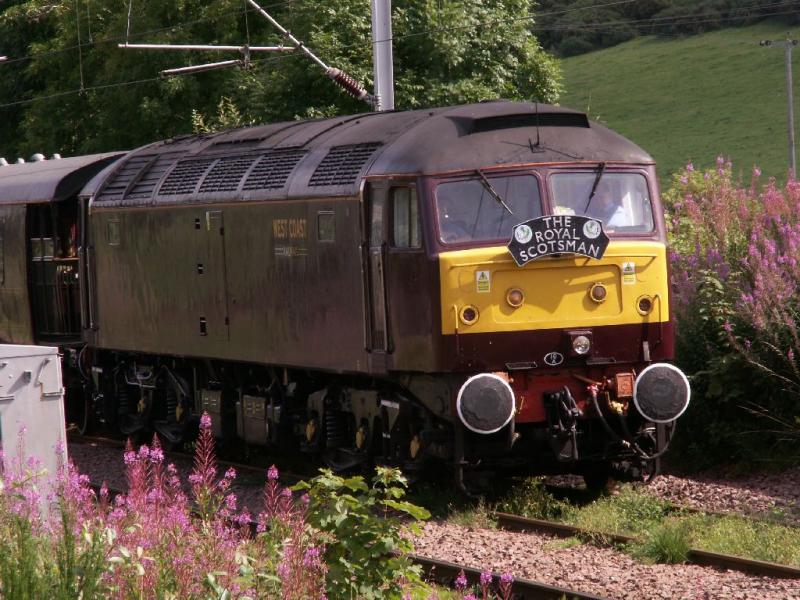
(123, 176)
(226, 175)
(343, 164)
(148, 179)
(544, 119)
(183, 179)
(273, 169)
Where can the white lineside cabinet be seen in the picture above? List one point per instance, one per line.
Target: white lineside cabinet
(31, 396)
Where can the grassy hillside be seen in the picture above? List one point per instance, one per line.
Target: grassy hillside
(693, 98)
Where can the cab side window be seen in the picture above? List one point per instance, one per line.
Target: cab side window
(405, 218)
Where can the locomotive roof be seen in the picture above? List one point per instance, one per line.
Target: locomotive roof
(329, 157)
(50, 180)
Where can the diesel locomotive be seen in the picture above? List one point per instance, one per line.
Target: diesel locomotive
(481, 286)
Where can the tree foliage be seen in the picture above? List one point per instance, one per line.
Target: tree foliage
(446, 51)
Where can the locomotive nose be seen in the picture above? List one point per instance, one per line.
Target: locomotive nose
(661, 393)
(485, 403)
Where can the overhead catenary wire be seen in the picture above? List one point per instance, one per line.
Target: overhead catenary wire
(184, 24)
(101, 87)
(583, 27)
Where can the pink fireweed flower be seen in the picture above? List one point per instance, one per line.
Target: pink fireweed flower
(272, 473)
(144, 452)
(506, 578)
(205, 421)
(684, 179)
(470, 597)
(311, 557)
(156, 455)
(230, 502)
(727, 326)
(486, 578)
(756, 172)
(230, 473)
(690, 167)
(461, 581)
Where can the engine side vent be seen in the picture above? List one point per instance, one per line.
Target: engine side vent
(343, 164)
(123, 177)
(226, 175)
(149, 178)
(183, 179)
(530, 120)
(273, 170)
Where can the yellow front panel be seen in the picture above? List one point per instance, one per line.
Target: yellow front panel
(556, 289)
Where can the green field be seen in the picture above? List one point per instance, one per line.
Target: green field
(693, 98)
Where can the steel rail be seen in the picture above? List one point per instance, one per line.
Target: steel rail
(444, 571)
(511, 522)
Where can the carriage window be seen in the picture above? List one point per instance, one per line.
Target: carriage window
(405, 218)
(468, 212)
(620, 201)
(326, 226)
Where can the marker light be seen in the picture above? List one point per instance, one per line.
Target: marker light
(598, 293)
(644, 305)
(468, 315)
(581, 344)
(515, 297)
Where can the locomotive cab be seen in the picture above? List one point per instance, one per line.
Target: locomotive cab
(569, 335)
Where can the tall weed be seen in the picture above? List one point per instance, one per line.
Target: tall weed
(735, 275)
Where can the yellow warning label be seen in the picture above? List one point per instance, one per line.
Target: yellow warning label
(483, 281)
(628, 273)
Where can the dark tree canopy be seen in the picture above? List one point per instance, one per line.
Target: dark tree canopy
(446, 51)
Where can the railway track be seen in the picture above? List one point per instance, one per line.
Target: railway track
(530, 589)
(443, 571)
(511, 522)
(286, 477)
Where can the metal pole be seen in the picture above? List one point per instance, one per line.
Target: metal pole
(382, 54)
(789, 43)
(790, 96)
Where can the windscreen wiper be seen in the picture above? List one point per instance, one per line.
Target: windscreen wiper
(600, 170)
(493, 192)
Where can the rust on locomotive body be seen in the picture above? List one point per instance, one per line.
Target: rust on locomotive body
(402, 287)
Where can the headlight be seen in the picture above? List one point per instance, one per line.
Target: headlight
(644, 304)
(468, 314)
(515, 297)
(598, 292)
(581, 344)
